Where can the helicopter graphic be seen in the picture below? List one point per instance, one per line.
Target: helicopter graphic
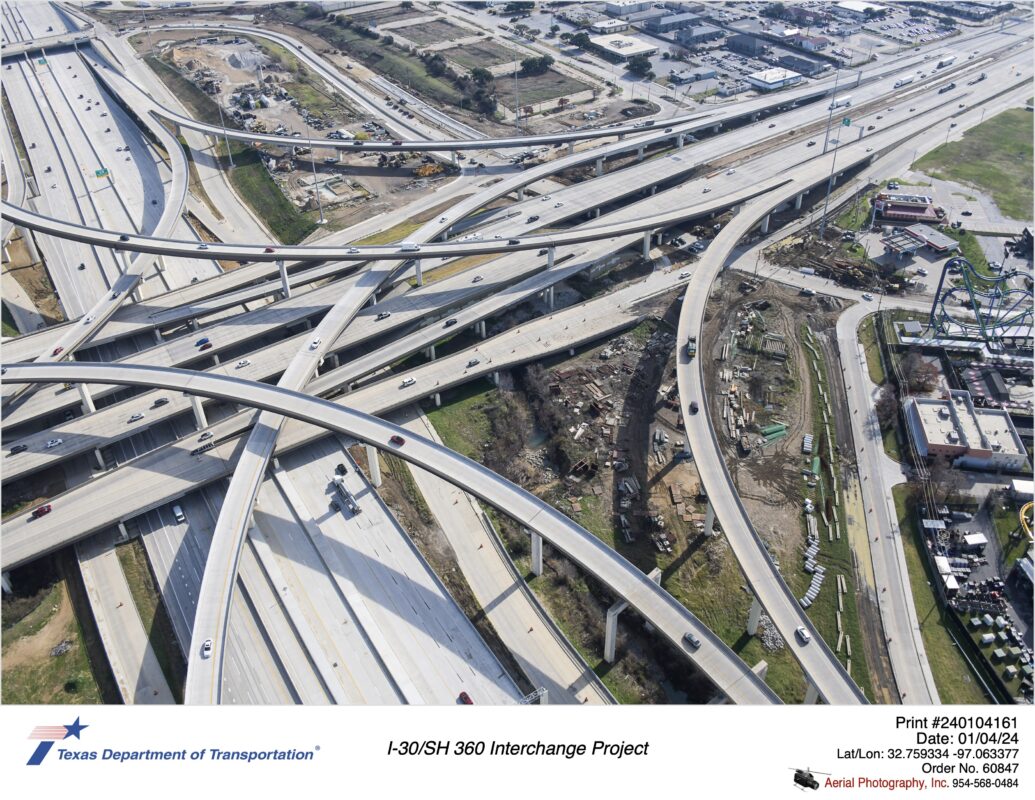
(805, 778)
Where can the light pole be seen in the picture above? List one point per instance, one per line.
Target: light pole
(830, 188)
(226, 139)
(312, 160)
(830, 116)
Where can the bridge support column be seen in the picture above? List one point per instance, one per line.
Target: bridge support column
(646, 244)
(549, 298)
(798, 201)
(430, 352)
(717, 128)
(123, 262)
(761, 669)
(495, 378)
(100, 457)
(765, 223)
(285, 286)
(452, 157)
(680, 141)
(596, 212)
(87, 398)
(600, 167)
(571, 148)
(437, 397)
(373, 300)
(811, 694)
(420, 275)
(550, 253)
(611, 630)
(709, 520)
(5, 582)
(653, 190)
(754, 615)
(611, 625)
(537, 553)
(373, 466)
(199, 413)
(754, 117)
(192, 323)
(639, 152)
(135, 295)
(571, 351)
(158, 335)
(335, 362)
(160, 264)
(521, 193)
(480, 328)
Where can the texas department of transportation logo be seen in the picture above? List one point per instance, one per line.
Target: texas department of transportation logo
(47, 735)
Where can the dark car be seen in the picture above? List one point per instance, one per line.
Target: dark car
(694, 408)
(205, 346)
(18, 448)
(57, 351)
(967, 213)
(42, 511)
(124, 237)
(341, 469)
(397, 142)
(450, 322)
(465, 699)
(161, 401)
(541, 252)
(201, 342)
(513, 241)
(269, 250)
(82, 266)
(397, 439)
(533, 218)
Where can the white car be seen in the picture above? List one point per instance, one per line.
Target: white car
(136, 417)
(315, 343)
(54, 442)
(803, 634)
(706, 190)
(730, 171)
(244, 362)
(352, 250)
(683, 275)
(87, 319)
(867, 296)
(206, 648)
(478, 279)
(546, 197)
(407, 382)
(558, 204)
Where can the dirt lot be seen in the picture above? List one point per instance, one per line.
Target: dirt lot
(485, 53)
(382, 15)
(426, 33)
(33, 278)
(532, 89)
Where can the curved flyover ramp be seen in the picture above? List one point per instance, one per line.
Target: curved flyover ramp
(726, 670)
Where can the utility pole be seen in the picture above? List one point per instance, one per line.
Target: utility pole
(312, 160)
(830, 188)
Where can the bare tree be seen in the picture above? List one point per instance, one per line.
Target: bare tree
(946, 482)
(920, 374)
(887, 407)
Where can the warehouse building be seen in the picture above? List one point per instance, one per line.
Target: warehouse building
(622, 47)
(772, 79)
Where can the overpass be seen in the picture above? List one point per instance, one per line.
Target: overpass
(668, 617)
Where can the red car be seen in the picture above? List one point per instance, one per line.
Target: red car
(57, 351)
(397, 439)
(207, 346)
(269, 250)
(465, 698)
(41, 511)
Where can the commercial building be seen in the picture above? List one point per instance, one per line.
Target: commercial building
(806, 66)
(771, 79)
(622, 47)
(619, 8)
(692, 37)
(932, 239)
(907, 207)
(856, 9)
(691, 75)
(609, 26)
(746, 45)
(672, 22)
(973, 438)
(811, 43)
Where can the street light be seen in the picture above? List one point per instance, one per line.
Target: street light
(226, 139)
(312, 160)
(830, 116)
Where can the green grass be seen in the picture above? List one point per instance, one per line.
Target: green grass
(836, 555)
(396, 233)
(532, 89)
(485, 53)
(868, 337)
(9, 328)
(995, 157)
(1007, 522)
(891, 443)
(460, 423)
(952, 674)
(855, 218)
(248, 175)
(153, 615)
(397, 467)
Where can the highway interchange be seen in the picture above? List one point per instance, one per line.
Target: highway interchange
(773, 167)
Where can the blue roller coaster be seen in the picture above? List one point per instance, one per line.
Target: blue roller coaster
(1001, 314)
